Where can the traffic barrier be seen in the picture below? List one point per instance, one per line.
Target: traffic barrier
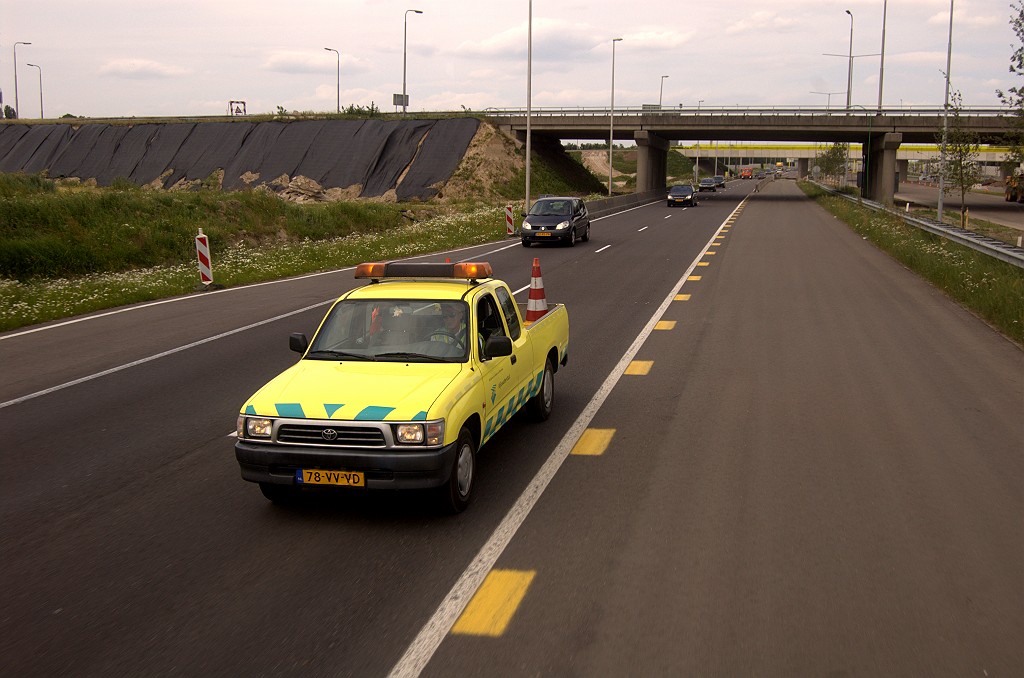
(510, 224)
(203, 254)
(537, 305)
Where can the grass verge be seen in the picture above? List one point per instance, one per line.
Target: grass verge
(990, 288)
(37, 300)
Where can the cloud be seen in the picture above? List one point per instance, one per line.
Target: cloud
(140, 69)
(760, 21)
(311, 61)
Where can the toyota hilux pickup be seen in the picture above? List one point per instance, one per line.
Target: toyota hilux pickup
(402, 383)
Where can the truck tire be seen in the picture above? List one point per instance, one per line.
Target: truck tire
(458, 491)
(541, 405)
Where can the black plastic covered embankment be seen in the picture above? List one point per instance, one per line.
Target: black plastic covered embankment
(410, 157)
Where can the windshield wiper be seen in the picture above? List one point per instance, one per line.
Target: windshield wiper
(414, 356)
(327, 354)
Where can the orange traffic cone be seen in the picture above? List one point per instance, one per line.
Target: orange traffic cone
(537, 306)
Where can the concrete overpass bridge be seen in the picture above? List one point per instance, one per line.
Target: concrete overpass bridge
(880, 133)
(749, 154)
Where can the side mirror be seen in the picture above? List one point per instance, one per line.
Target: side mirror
(497, 346)
(298, 342)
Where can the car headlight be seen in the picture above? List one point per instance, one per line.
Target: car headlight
(527, 226)
(254, 427)
(430, 433)
(562, 226)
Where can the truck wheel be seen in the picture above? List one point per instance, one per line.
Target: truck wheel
(541, 405)
(458, 491)
(279, 494)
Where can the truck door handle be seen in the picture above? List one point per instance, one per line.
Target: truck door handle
(513, 360)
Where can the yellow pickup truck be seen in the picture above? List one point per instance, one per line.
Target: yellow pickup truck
(404, 380)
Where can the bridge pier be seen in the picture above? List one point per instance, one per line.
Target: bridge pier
(651, 161)
(802, 167)
(880, 166)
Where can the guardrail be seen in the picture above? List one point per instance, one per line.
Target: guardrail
(976, 241)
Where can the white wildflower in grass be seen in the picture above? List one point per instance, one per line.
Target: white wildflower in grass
(34, 301)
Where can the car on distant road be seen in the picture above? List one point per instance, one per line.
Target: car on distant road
(707, 184)
(682, 195)
(719, 181)
(556, 219)
(759, 175)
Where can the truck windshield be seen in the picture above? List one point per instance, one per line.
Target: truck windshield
(393, 330)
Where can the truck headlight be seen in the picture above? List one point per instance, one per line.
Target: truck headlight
(562, 226)
(430, 433)
(257, 427)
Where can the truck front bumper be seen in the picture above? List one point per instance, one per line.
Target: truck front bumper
(383, 469)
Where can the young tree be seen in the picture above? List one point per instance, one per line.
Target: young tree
(9, 112)
(1014, 97)
(960, 168)
(833, 161)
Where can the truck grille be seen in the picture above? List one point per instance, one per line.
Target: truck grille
(330, 436)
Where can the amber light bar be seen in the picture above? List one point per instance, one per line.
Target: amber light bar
(470, 270)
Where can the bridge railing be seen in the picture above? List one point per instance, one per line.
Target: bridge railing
(648, 110)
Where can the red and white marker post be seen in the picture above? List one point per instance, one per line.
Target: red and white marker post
(510, 224)
(203, 254)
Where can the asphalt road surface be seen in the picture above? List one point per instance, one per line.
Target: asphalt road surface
(807, 462)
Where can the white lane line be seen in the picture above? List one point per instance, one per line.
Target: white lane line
(669, 216)
(204, 295)
(434, 631)
(172, 351)
(641, 230)
(602, 249)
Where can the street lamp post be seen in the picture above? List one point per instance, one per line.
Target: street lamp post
(529, 98)
(696, 165)
(405, 37)
(881, 63)
(945, 115)
(849, 70)
(337, 54)
(17, 109)
(661, 91)
(611, 119)
(41, 116)
(828, 104)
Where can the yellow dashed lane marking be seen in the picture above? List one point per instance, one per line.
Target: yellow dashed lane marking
(703, 263)
(593, 442)
(682, 297)
(693, 278)
(665, 325)
(709, 252)
(497, 599)
(639, 367)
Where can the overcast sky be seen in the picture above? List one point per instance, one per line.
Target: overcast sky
(190, 57)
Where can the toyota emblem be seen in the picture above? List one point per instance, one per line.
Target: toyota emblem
(329, 434)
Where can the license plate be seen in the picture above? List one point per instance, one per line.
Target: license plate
(315, 476)
(544, 234)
